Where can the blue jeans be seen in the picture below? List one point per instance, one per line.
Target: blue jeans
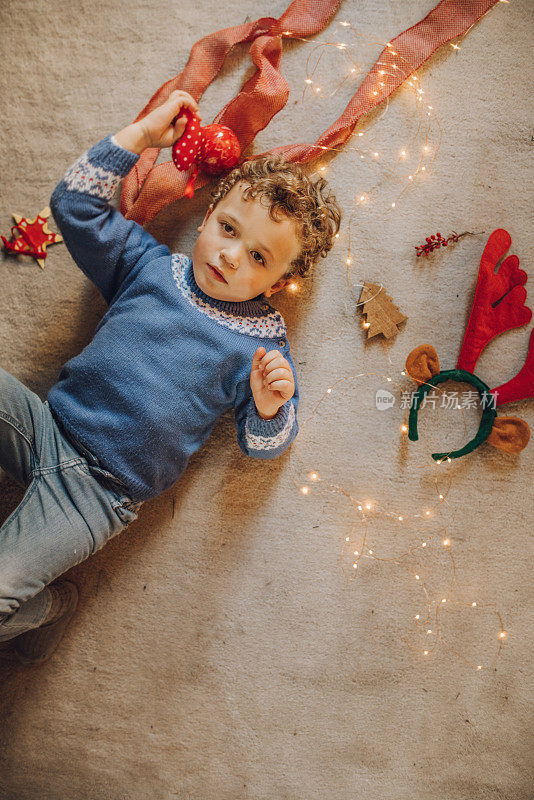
(71, 507)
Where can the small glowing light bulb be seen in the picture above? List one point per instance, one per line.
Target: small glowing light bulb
(293, 287)
(502, 635)
(355, 565)
(455, 46)
(389, 379)
(347, 539)
(426, 148)
(362, 198)
(360, 134)
(375, 92)
(375, 155)
(317, 88)
(417, 577)
(353, 69)
(381, 71)
(341, 46)
(356, 553)
(417, 616)
(401, 518)
(404, 428)
(422, 170)
(370, 552)
(423, 544)
(441, 497)
(359, 508)
(403, 153)
(479, 667)
(368, 506)
(393, 205)
(305, 489)
(313, 476)
(446, 542)
(430, 107)
(349, 260)
(425, 652)
(427, 513)
(328, 391)
(308, 80)
(429, 631)
(473, 604)
(410, 177)
(323, 169)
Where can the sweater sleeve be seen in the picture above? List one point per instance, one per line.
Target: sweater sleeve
(104, 244)
(265, 438)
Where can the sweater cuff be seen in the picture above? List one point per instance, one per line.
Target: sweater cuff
(100, 170)
(268, 434)
(109, 155)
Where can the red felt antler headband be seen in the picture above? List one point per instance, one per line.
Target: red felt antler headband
(498, 306)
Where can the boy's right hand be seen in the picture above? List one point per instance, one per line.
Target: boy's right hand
(157, 126)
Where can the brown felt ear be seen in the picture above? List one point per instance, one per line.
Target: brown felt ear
(510, 434)
(422, 363)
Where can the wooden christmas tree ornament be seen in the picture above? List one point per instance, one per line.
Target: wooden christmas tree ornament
(381, 313)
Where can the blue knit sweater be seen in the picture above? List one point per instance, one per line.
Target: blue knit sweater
(166, 360)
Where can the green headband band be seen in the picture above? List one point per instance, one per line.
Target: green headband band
(486, 421)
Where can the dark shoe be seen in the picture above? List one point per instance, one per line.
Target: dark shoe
(37, 645)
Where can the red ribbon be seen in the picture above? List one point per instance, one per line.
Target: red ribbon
(148, 189)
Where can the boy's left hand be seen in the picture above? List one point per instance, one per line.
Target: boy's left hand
(271, 381)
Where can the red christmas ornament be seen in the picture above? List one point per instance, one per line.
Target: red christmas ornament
(220, 149)
(213, 148)
(185, 150)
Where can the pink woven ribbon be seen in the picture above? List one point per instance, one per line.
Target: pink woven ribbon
(148, 188)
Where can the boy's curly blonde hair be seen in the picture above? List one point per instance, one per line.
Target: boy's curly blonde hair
(295, 195)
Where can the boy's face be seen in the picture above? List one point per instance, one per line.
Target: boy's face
(246, 245)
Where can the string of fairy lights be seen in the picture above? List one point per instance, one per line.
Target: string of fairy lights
(367, 509)
(358, 547)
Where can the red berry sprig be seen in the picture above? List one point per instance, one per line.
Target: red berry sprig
(436, 241)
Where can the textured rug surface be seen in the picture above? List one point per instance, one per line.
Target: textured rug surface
(224, 648)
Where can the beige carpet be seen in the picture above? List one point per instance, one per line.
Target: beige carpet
(221, 650)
